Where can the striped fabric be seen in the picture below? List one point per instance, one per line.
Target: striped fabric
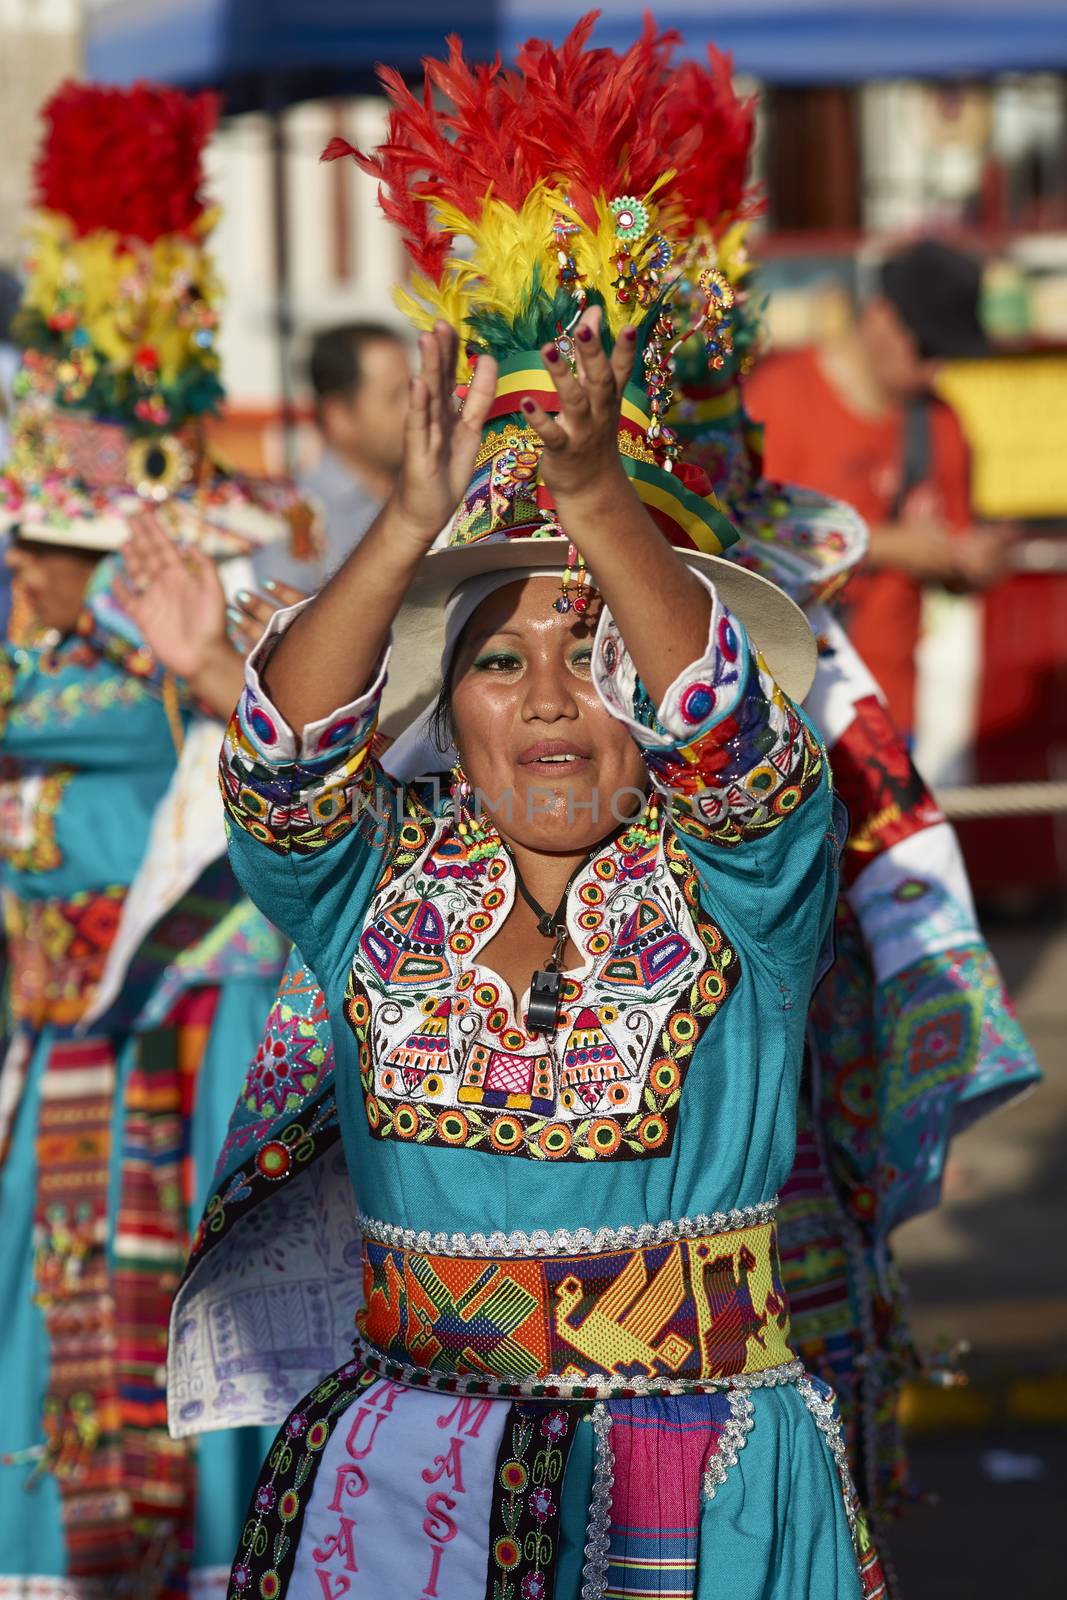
(661, 1446)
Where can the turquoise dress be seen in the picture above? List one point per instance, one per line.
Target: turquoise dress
(571, 1370)
(110, 1129)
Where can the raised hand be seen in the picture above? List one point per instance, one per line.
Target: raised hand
(440, 442)
(248, 613)
(581, 441)
(174, 595)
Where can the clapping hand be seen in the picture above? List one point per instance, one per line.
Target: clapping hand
(581, 441)
(440, 442)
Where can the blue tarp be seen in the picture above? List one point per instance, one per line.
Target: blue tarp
(319, 46)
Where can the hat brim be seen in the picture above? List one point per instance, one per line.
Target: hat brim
(777, 626)
(225, 526)
(801, 540)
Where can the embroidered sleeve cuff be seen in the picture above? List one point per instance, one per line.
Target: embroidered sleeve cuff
(334, 737)
(726, 740)
(701, 696)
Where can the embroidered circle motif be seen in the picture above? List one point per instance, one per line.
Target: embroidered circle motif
(452, 1127)
(697, 703)
(555, 1140)
(406, 1121)
(506, 1553)
(513, 1476)
(336, 733)
(273, 1160)
(262, 726)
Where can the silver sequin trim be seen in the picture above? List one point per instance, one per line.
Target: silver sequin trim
(564, 1242)
(592, 1388)
(734, 1438)
(595, 1568)
(825, 1413)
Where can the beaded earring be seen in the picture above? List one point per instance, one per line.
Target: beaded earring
(474, 830)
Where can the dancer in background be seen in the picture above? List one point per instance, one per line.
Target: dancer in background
(139, 975)
(912, 1033)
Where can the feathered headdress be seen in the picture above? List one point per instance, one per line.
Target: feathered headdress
(804, 542)
(119, 324)
(529, 194)
(120, 313)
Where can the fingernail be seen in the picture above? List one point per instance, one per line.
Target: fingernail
(269, 583)
(629, 333)
(529, 407)
(234, 615)
(552, 355)
(585, 333)
(243, 596)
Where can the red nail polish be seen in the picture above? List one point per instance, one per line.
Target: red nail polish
(552, 355)
(528, 407)
(630, 333)
(585, 334)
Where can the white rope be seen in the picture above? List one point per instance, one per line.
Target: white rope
(1003, 800)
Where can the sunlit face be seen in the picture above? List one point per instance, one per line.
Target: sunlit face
(551, 766)
(52, 581)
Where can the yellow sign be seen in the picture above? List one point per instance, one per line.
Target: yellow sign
(1013, 411)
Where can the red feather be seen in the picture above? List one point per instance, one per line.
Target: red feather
(585, 118)
(708, 134)
(129, 160)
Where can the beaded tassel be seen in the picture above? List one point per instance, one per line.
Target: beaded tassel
(580, 601)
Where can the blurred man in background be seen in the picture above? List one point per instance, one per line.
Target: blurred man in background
(359, 376)
(857, 419)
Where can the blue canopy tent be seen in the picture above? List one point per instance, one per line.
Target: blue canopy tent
(266, 54)
(318, 47)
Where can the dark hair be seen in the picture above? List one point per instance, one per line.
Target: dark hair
(336, 361)
(936, 292)
(439, 725)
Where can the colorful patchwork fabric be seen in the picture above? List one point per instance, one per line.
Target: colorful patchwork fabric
(58, 951)
(695, 1309)
(375, 1488)
(726, 743)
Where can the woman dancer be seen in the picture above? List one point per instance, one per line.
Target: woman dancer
(139, 975)
(601, 965)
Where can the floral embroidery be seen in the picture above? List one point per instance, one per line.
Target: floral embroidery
(443, 1059)
(271, 1536)
(294, 1147)
(525, 1511)
(288, 1065)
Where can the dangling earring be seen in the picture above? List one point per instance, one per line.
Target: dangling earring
(460, 796)
(471, 826)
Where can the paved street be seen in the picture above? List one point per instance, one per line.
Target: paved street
(991, 1267)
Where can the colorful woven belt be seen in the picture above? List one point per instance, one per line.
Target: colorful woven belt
(687, 1313)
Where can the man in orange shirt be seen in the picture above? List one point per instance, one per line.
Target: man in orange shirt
(856, 420)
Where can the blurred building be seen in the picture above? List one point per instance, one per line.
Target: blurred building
(40, 44)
